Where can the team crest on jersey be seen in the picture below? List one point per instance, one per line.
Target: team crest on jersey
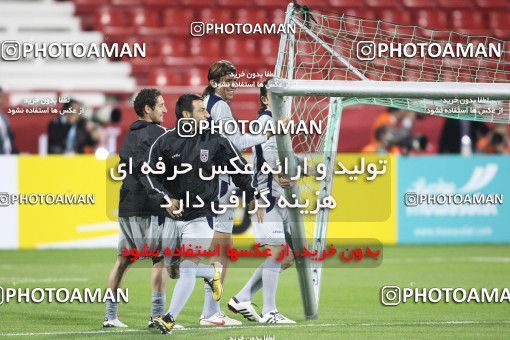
(204, 155)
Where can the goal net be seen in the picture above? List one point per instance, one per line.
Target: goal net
(333, 60)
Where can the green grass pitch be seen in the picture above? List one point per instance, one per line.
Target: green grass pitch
(350, 304)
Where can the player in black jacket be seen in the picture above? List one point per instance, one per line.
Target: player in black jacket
(202, 152)
(139, 221)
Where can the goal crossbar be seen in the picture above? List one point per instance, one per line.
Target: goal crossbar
(388, 89)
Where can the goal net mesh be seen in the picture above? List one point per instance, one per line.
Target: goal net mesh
(323, 40)
(325, 46)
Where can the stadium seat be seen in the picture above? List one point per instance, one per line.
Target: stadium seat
(383, 3)
(399, 17)
(171, 47)
(492, 4)
(433, 19)
(397, 28)
(499, 20)
(269, 3)
(205, 47)
(453, 4)
(360, 13)
(244, 15)
(198, 3)
(277, 16)
(449, 75)
(268, 47)
(502, 34)
(232, 3)
(317, 4)
(419, 3)
(107, 16)
(215, 15)
(468, 19)
(195, 77)
(347, 3)
(178, 18)
(124, 2)
(156, 3)
(245, 48)
(164, 77)
(145, 17)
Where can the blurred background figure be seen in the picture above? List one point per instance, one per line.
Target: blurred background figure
(461, 136)
(7, 145)
(392, 132)
(107, 127)
(403, 120)
(382, 143)
(497, 141)
(70, 133)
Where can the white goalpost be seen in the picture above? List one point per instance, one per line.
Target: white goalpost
(317, 74)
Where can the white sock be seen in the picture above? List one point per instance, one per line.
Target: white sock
(270, 275)
(183, 287)
(252, 286)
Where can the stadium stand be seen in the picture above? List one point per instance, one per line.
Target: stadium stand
(30, 21)
(177, 62)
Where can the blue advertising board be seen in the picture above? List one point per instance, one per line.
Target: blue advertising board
(454, 199)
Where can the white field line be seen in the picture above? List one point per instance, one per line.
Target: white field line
(269, 327)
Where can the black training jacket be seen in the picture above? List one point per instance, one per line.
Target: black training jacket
(134, 199)
(202, 151)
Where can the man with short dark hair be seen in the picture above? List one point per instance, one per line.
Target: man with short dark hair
(203, 152)
(140, 222)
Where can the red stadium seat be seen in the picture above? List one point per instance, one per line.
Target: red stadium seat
(172, 48)
(107, 16)
(269, 47)
(433, 19)
(360, 13)
(492, 4)
(200, 3)
(164, 77)
(383, 3)
(453, 4)
(145, 17)
(468, 19)
(156, 3)
(347, 3)
(470, 22)
(205, 47)
(195, 77)
(215, 15)
(499, 20)
(397, 16)
(124, 2)
(277, 16)
(269, 3)
(231, 3)
(502, 34)
(316, 4)
(419, 3)
(241, 47)
(244, 15)
(179, 18)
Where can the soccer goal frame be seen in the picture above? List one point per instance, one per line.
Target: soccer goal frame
(282, 90)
